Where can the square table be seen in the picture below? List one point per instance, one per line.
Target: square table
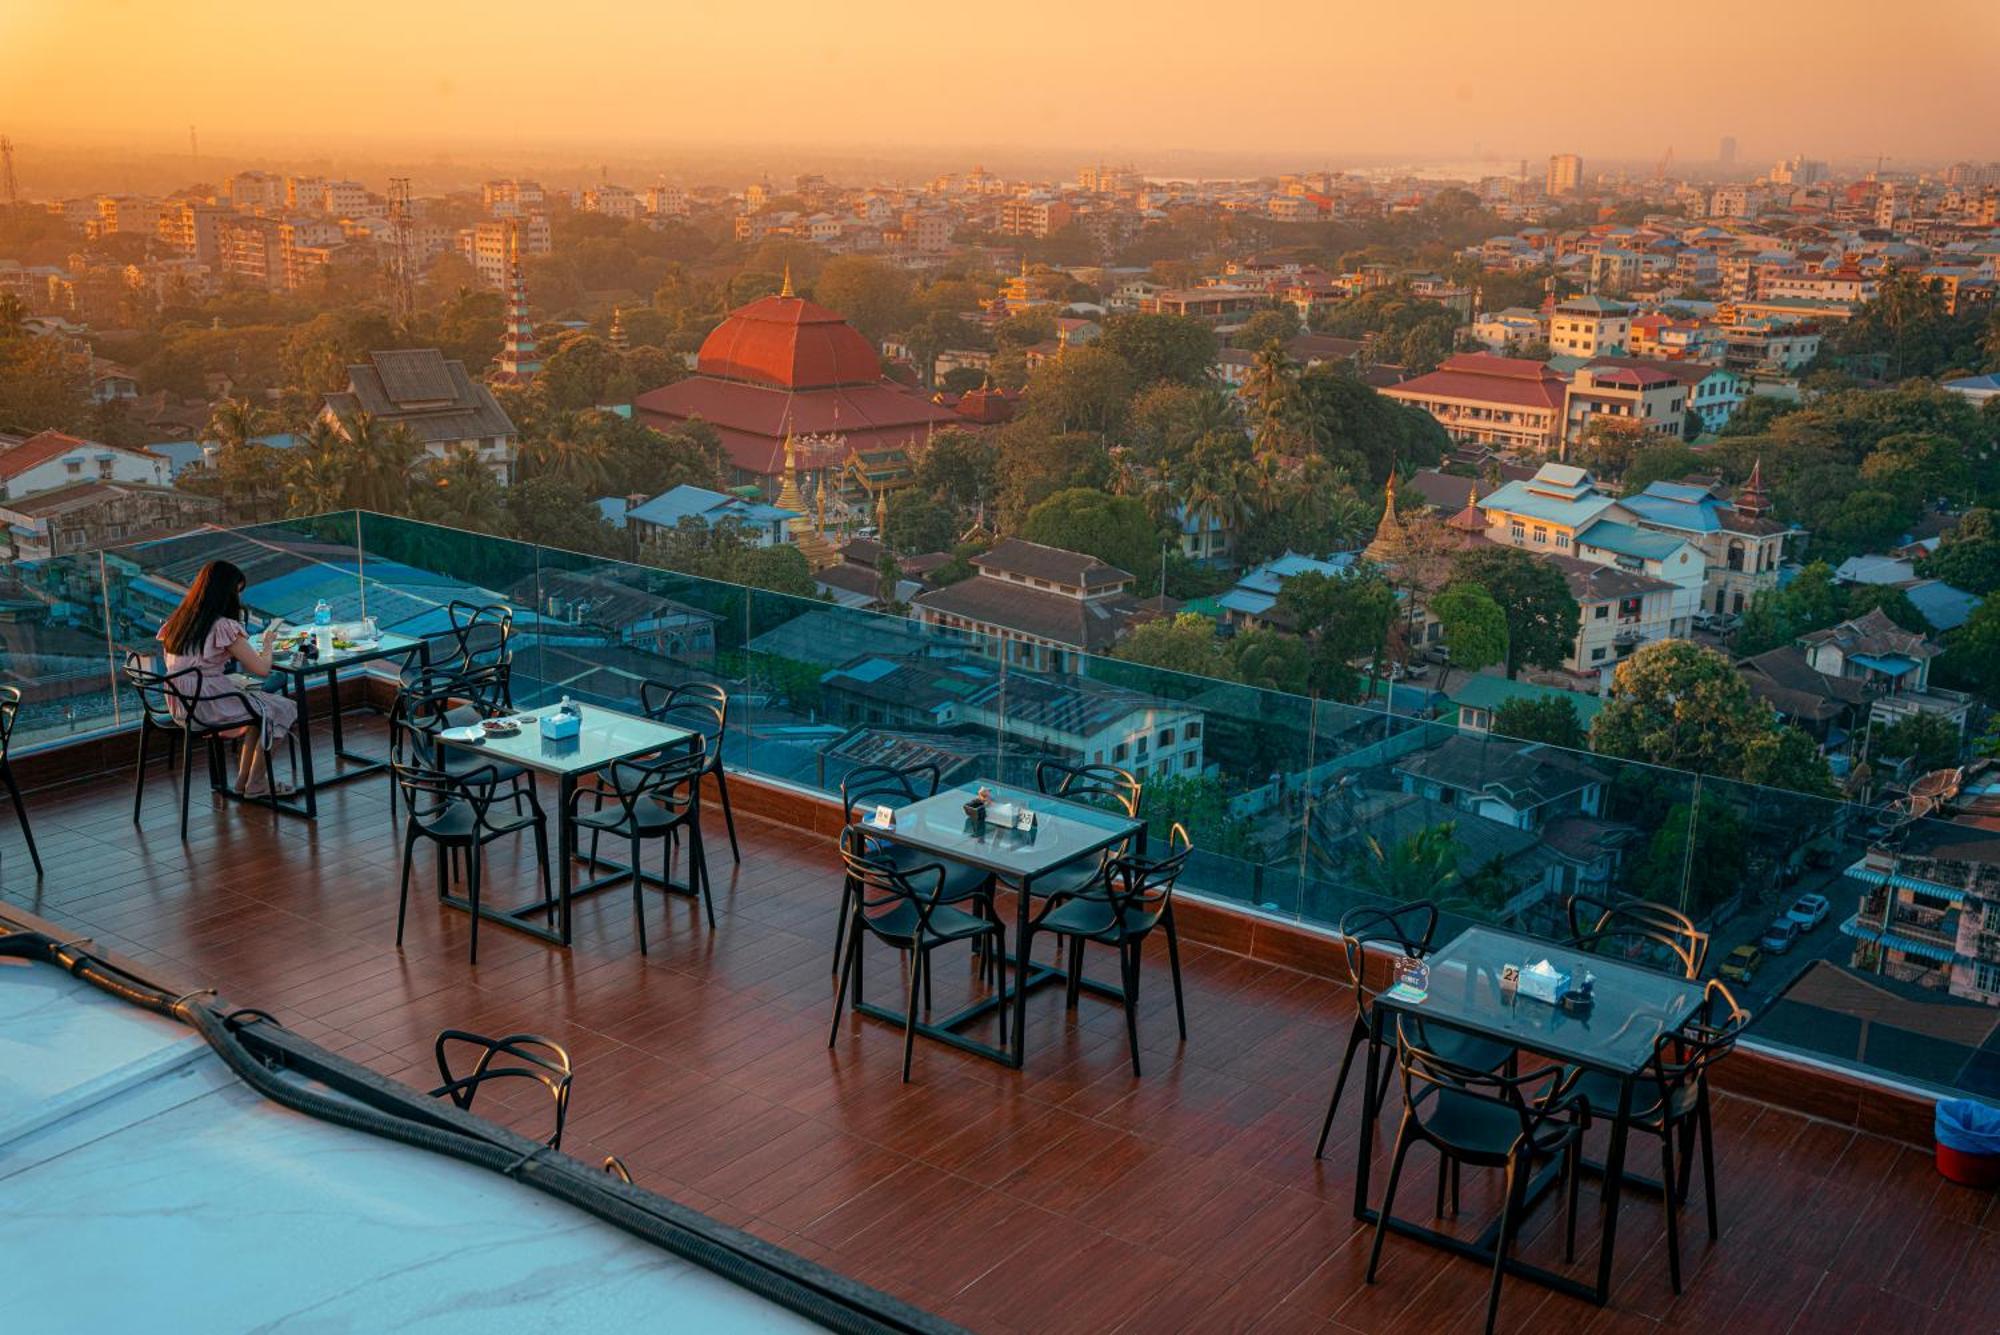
(1634, 1007)
(1064, 832)
(295, 676)
(606, 737)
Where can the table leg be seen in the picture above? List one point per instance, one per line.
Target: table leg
(1368, 1112)
(302, 697)
(565, 850)
(333, 713)
(1017, 1042)
(1614, 1181)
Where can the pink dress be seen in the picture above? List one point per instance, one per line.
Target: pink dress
(276, 713)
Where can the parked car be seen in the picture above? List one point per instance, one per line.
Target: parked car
(1439, 654)
(1779, 936)
(1809, 911)
(1742, 964)
(1704, 620)
(1724, 623)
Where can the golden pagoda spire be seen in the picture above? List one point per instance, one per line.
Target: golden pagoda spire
(1390, 536)
(786, 291)
(819, 553)
(881, 511)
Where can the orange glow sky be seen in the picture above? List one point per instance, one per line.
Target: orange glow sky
(1324, 79)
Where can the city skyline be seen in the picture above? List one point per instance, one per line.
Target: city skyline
(1051, 80)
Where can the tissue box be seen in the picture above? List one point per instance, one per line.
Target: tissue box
(561, 727)
(1543, 982)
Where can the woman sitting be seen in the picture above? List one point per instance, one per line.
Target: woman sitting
(206, 633)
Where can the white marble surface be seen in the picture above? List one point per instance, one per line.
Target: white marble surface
(185, 1202)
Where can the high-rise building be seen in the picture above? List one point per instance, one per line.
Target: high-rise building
(1725, 153)
(1565, 174)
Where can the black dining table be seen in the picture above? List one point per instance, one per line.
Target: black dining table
(1064, 832)
(605, 737)
(1633, 1007)
(294, 674)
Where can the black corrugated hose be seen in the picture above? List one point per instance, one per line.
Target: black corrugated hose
(272, 1060)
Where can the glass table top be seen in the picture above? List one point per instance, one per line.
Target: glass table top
(1633, 1006)
(386, 645)
(1063, 830)
(606, 737)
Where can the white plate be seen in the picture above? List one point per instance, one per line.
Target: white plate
(470, 733)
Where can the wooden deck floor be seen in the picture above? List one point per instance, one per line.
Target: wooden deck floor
(1066, 1197)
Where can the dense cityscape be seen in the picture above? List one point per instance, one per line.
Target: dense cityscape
(1489, 533)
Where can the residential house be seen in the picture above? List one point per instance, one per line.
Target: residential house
(1034, 606)
(1480, 697)
(1618, 611)
(1893, 664)
(1639, 396)
(1506, 403)
(759, 523)
(1590, 327)
(446, 409)
(1743, 545)
(84, 516)
(52, 459)
(1252, 604)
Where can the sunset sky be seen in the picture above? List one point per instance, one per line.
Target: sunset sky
(1325, 79)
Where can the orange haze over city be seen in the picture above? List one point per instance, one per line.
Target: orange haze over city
(1437, 78)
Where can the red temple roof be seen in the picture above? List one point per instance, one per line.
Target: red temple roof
(789, 343)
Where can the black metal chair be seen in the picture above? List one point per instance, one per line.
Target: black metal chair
(869, 786)
(1104, 786)
(430, 701)
(1409, 929)
(1486, 1120)
(478, 645)
(651, 801)
(1130, 897)
(903, 907)
(10, 708)
(542, 1060)
(462, 813)
(703, 707)
(170, 703)
(1671, 1101)
(1639, 932)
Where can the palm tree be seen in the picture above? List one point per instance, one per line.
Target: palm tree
(378, 463)
(316, 472)
(1272, 391)
(1419, 866)
(234, 423)
(570, 452)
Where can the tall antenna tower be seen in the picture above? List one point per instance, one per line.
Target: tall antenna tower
(405, 261)
(7, 185)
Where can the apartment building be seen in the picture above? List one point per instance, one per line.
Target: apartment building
(511, 198)
(192, 227)
(1034, 215)
(488, 247)
(256, 190)
(1589, 327)
(1509, 404)
(613, 201)
(1565, 174)
(1637, 395)
(1034, 606)
(345, 199)
(667, 201)
(1217, 305)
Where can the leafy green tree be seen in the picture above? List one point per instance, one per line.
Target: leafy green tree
(875, 297)
(1475, 629)
(1185, 643)
(459, 491)
(1678, 704)
(1928, 739)
(960, 468)
(1659, 461)
(1358, 429)
(1969, 556)
(1343, 617)
(1279, 324)
(556, 513)
(1542, 615)
(1972, 652)
(1906, 331)
(1041, 463)
(44, 385)
(722, 553)
(918, 523)
(1272, 661)
(1894, 603)
(1542, 718)
(1775, 617)
(1172, 348)
(1422, 865)
(1199, 803)
(1086, 389)
(1114, 529)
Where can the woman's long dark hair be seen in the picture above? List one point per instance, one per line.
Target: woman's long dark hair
(217, 592)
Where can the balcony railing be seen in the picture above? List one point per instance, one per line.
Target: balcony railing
(1301, 808)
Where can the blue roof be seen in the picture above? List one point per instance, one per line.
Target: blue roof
(1893, 664)
(179, 454)
(711, 507)
(1867, 875)
(1613, 536)
(611, 509)
(1690, 509)
(1943, 606)
(1516, 498)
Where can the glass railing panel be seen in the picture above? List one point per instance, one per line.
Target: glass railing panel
(607, 628)
(412, 573)
(288, 567)
(835, 688)
(55, 648)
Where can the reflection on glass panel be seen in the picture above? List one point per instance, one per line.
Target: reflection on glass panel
(607, 630)
(288, 569)
(417, 577)
(53, 648)
(837, 688)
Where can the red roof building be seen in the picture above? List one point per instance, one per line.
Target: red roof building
(1505, 403)
(785, 366)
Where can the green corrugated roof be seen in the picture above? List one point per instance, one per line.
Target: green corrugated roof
(1491, 692)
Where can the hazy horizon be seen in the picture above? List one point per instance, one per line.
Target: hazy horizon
(459, 87)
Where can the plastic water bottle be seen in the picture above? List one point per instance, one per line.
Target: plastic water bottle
(566, 709)
(323, 614)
